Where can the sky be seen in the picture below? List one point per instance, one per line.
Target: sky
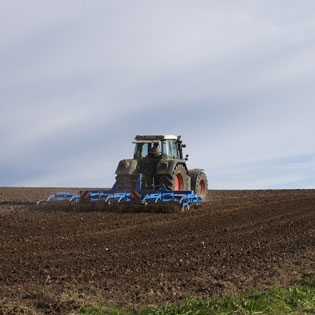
(79, 79)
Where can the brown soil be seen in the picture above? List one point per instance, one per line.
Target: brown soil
(55, 261)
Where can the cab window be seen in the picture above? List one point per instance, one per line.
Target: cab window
(171, 147)
(141, 150)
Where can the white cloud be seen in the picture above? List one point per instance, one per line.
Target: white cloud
(80, 79)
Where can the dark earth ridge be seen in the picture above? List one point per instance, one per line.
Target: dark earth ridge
(55, 261)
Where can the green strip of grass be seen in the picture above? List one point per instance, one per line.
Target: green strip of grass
(297, 300)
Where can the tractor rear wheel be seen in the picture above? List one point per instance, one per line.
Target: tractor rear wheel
(125, 182)
(178, 180)
(199, 182)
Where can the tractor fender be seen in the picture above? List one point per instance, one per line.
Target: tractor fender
(127, 167)
(168, 166)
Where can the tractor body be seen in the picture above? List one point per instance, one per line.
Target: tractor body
(160, 160)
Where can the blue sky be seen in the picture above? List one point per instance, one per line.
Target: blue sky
(80, 79)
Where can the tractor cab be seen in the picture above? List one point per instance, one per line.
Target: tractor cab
(158, 147)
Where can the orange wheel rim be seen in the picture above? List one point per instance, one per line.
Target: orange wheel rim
(179, 182)
(202, 188)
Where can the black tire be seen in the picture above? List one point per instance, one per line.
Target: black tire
(199, 182)
(168, 180)
(126, 182)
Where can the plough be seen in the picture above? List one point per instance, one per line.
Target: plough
(183, 198)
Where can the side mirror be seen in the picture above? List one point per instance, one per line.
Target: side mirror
(186, 158)
(183, 145)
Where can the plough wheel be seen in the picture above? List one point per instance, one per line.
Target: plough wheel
(178, 180)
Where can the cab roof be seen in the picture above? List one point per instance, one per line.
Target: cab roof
(153, 138)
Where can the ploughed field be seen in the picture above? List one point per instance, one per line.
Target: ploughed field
(58, 260)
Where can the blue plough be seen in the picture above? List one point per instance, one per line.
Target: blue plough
(184, 198)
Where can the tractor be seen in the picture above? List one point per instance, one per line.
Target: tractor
(160, 160)
(156, 178)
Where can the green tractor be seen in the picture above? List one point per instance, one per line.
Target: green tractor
(159, 158)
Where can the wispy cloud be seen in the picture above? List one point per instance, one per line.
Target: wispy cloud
(288, 173)
(79, 80)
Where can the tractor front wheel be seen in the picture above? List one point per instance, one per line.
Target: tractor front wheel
(125, 182)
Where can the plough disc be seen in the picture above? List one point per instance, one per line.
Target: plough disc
(114, 207)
